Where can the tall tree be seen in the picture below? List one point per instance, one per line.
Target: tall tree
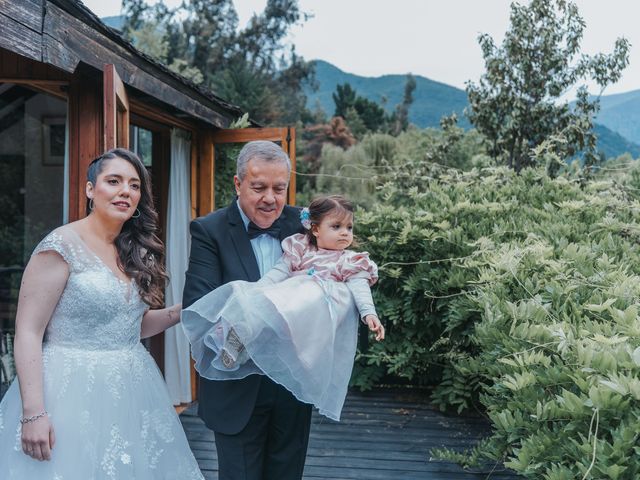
(517, 103)
(354, 108)
(344, 98)
(401, 115)
(254, 67)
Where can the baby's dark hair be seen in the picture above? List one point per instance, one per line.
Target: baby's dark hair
(320, 207)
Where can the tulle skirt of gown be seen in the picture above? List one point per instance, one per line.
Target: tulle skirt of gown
(112, 418)
(301, 332)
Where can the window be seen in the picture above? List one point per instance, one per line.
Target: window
(141, 143)
(33, 145)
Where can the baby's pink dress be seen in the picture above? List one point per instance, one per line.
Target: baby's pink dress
(298, 324)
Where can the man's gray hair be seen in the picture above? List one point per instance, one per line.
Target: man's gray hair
(260, 150)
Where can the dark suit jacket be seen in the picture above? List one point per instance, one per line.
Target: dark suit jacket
(221, 252)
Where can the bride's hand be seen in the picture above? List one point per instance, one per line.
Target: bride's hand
(38, 438)
(158, 320)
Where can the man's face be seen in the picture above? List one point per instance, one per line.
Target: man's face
(262, 193)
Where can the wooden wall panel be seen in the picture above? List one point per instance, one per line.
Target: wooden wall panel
(9, 64)
(15, 68)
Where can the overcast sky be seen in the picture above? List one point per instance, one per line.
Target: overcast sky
(433, 38)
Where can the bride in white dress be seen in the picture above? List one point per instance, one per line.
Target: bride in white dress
(90, 403)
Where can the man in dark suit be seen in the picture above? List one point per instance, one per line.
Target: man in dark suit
(261, 429)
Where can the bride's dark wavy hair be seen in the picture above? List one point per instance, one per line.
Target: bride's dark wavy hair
(140, 250)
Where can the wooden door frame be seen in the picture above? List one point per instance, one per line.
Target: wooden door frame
(203, 174)
(286, 136)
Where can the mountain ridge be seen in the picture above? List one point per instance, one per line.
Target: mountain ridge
(388, 90)
(617, 127)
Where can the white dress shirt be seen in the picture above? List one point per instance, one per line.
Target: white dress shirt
(266, 248)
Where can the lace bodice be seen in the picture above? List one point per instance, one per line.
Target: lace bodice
(97, 310)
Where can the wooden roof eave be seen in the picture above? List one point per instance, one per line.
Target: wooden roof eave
(67, 41)
(65, 34)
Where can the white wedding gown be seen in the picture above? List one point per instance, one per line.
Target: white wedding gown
(106, 399)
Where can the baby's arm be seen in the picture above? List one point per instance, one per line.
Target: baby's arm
(278, 273)
(364, 302)
(362, 295)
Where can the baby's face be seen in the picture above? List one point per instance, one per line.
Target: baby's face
(335, 232)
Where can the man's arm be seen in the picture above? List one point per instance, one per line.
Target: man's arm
(204, 273)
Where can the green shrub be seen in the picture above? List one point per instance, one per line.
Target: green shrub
(520, 292)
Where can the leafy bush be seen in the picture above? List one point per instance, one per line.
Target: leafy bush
(358, 171)
(520, 291)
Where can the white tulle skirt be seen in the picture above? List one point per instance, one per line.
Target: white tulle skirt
(112, 418)
(301, 332)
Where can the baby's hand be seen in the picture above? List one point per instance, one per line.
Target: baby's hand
(375, 326)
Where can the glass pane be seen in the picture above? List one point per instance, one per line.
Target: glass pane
(225, 169)
(32, 155)
(141, 143)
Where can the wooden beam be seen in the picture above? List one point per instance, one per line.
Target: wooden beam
(120, 91)
(25, 12)
(146, 110)
(195, 137)
(109, 107)
(116, 110)
(243, 135)
(148, 123)
(55, 91)
(16, 37)
(48, 88)
(291, 150)
(194, 380)
(34, 81)
(206, 165)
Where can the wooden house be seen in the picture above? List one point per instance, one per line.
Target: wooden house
(71, 88)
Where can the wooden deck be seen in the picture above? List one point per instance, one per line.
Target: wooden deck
(383, 435)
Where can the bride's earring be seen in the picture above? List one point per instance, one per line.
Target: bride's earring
(91, 205)
(136, 214)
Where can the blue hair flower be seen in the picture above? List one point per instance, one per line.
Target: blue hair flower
(305, 218)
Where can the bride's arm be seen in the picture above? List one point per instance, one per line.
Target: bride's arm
(43, 281)
(156, 321)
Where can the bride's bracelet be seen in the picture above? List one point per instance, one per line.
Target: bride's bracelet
(33, 418)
